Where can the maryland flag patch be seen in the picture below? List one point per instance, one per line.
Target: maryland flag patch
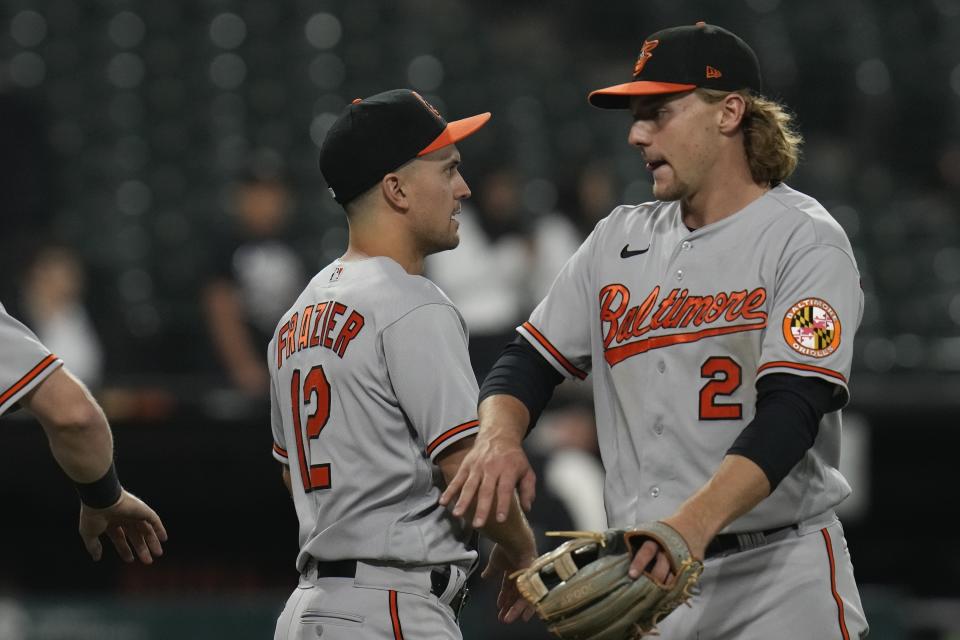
(812, 328)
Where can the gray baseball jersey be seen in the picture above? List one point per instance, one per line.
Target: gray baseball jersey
(370, 382)
(25, 362)
(677, 326)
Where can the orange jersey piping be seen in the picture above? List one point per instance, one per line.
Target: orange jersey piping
(30, 376)
(395, 616)
(833, 585)
(803, 367)
(566, 364)
(446, 435)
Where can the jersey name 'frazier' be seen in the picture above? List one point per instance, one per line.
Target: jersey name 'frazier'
(314, 327)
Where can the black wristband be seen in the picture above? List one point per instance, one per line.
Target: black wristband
(101, 493)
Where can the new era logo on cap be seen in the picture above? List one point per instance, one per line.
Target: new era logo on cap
(684, 58)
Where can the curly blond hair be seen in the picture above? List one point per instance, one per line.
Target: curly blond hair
(770, 137)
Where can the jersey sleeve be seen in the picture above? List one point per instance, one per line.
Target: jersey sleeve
(25, 362)
(429, 368)
(817, 307)
(276, 422)
(559, 327)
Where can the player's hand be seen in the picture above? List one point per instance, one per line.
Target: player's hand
(651, 558)
(489, 474)
(128, 523)
(511, 605)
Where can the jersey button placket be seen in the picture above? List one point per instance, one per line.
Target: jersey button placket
(658, 428)
(686, 245)
(654, 491)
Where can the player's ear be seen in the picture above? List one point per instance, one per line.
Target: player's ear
(732, 108)
(392, 188)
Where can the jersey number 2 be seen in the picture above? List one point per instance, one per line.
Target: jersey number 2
(725, 377)
(315, 385)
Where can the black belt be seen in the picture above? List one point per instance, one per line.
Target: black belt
(741, 541)
(439, 580)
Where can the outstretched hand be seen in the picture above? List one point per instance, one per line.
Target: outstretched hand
(128, 523)
(511, 605)
(489, 474)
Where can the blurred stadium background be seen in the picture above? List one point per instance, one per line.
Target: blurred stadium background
(125, 126)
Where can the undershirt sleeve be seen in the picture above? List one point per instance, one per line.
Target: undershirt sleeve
(523, 373)
(789, 410)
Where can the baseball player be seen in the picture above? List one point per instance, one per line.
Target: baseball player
(371, 386)
(718, 323)
(81, 442)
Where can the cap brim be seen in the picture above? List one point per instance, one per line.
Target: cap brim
(618, 96)
(456, 131)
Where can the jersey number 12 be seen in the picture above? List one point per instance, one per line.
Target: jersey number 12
(315, 387)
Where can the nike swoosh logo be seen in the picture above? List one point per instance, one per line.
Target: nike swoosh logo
(627, 253)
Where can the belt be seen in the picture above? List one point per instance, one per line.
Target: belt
(439, 580)
(736, 542)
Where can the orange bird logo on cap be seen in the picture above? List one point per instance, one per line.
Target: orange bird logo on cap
(648, 46)
(427, 104)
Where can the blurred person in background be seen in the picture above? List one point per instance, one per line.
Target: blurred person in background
(486, 276)
(53, 305)
(254, 276)
(507, 259)
(566, 443)
(554, 237)
(595, 194)
(81, 442)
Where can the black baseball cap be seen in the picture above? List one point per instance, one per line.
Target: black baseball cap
(376, 135)
(684, 58)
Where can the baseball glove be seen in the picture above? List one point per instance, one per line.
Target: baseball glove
(582, 591)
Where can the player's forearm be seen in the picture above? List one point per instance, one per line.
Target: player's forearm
(76, 427)
(737, 487)
(503, 417)
(85, 451)
(513, 534)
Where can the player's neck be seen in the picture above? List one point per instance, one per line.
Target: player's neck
(379, 233)
(361, 249)
(720, 197)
